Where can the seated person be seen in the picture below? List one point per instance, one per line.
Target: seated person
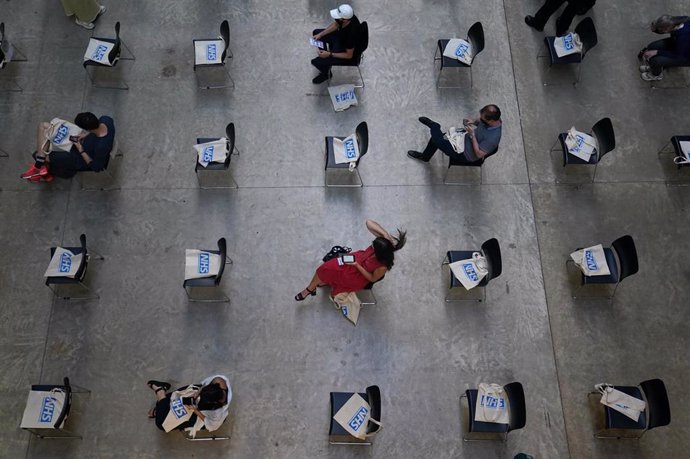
(668, 52)
(370, 265)
(90, 151)
(341, 37)
(481, 139)
(210, 408)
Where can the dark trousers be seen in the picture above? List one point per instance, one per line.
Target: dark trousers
(162, 410)
(437, 142)
(563, 22)
(334, 45)
(658, 63)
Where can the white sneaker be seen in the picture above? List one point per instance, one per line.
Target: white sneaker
(644, 68)
(86, 25)
(101, 10)
(648, 76)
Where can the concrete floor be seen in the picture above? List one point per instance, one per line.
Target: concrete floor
(282, 357)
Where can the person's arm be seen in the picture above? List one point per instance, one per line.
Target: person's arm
(84, 155)
(342, 55)
(332, 27)
(478, 152)
(371, 277)
(378, 230)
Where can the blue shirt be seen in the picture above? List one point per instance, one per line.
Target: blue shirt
(487, 137)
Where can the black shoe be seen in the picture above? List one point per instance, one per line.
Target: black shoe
(321, 77)
(426, 121)
(530, 21)
(416, 155)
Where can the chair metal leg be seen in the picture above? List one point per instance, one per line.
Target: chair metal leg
(84, 287)
(79, 390)
(211, 438)
(373, 302)
(131, 54)
(208, 86)
(478, 300)
(356, 185)
(22, 57)
(54, 434)
(447, 182)
(4, 154)
(223, 299)
(234, 183)
(124, 86)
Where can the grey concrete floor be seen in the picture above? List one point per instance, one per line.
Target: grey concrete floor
(283, 358)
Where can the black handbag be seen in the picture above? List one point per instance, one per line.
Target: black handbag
(336, 251)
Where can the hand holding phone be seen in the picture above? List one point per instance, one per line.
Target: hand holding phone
(74, 138)
(188, 401)
(348, 259)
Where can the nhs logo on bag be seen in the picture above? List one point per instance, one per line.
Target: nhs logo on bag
(204, 263)
(178, 409)
(345, 96)
(344, 310)
(208, 153)
(61, 134)
(350, 151)
(495, 403)
(470, 272)
(211, 52)
(579, 142)
(591, 262)
(358, 419)
(65, 262)
(47, 409)
(99, 53)
(568, 42)
(461, 49)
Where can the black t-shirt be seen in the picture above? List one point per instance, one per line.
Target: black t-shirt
(98, 148)
(349, 36)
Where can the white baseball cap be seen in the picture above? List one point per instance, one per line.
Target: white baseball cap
(344, 11)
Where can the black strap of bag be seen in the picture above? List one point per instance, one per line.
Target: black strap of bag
(336, 251)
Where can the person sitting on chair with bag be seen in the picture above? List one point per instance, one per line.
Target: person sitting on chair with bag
(192, 407)
(63, 148)
(354, 271)
(340, 39)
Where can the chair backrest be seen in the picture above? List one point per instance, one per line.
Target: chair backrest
(81, 271)
(230, 134)
(588, 34)
(374, 399)
(362, 41)
(115, 52)
(223, 249)
(66, 406)
(476, 36)
(2, 32)
(627, 255)
(657, 403)
(362, 133)
(225, 33)
(492, 252)
(516, 402)
(606, 139)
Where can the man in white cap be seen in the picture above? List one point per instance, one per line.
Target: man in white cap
(341, 39)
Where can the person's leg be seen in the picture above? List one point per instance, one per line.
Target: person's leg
(658, 63)
(664, 43)
(311, 288)
(432, 144)
(162, 410)
(39, 168)
(538, 21)
(566, 18)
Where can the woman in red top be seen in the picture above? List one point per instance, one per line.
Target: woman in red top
(370, 265)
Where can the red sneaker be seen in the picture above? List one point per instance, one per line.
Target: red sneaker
(46, 178)
(32, 172)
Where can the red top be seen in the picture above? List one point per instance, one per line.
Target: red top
(347, 278)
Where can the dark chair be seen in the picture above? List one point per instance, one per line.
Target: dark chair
(212, 53)
(673, 146)
(113, 57)
(361, 46)
(602, 131)
(212, 281)
(588, 34)
(337, 435)
(476, 37)
(362, 134)
(9, 53)
(454, 162)
(517, 413)
(105, 179)
(656, 414)
(492, 252)
(47, 409)
(621, 259)
(78, 278)
(370, 288)
(216, 168)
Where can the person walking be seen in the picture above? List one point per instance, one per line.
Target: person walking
(574, 7)
(85, 12)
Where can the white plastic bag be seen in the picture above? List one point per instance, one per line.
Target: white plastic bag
(459, 49)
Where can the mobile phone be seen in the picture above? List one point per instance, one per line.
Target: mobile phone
(188, 401)
(74, 138)
(348, 258)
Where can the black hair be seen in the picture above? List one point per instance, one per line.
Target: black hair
(667, 23)
(87, 121)
(491, 112)
(384, 249)
(212, 397)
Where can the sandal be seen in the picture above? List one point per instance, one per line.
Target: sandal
(161, 385)
(300, 297)
(152, 413)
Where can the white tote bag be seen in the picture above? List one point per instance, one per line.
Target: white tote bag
(63, 264)
(349, 305)
(620, 401)
(59, 133)
(567, 44)
(470, 272)
(580, 144)
(342, 97)
(685, 153)
(346, 150)
(98, 51)
(492, 404)
(199, 263)
(592, 261)
(212, 152)
(208, 52)
(456, 137)
(43, 409)
(354, 416)
(459, 49)
(178, 413)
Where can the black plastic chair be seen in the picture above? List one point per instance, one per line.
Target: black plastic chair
(211, 281)
(337, 435)
(462, 163)
(50, 424)
(673, 146)
(224, 166)
(476, 37)
(370, 288)
(656, 414)
(588, 34)
(114, 56)
(361, 46)
(9, 53)
(362, 134)
(517, 413)
(226, 53)
(602, 131)
(79, 276)
(492, 252)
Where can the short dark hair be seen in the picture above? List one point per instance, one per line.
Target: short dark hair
(87, 121)
(491, 112)
(212, 397)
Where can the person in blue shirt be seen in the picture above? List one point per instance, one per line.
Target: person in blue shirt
(673, 51)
